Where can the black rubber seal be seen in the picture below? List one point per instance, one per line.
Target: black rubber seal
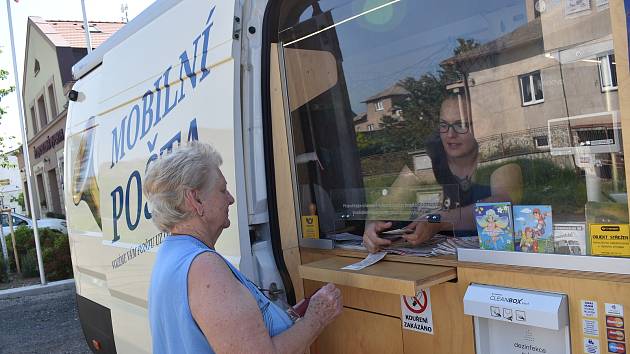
(269, 35)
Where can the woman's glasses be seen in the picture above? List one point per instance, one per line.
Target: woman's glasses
(458, 127)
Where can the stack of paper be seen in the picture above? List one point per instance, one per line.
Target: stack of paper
(438, 245)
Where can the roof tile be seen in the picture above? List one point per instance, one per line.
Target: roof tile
(64, 33)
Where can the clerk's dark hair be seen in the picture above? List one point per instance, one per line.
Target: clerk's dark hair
(441, 170)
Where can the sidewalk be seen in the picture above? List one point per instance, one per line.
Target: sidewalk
(37, 289)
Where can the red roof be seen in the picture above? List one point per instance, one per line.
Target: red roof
(64, 33)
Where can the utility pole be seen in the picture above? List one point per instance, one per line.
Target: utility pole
(27, 161)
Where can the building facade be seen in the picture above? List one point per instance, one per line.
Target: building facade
(556, 92)
(383, 104)
(52, 48)
(11, 186)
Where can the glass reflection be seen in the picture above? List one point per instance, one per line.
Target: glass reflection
(534, 83)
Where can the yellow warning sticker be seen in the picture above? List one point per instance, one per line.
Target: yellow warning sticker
(610, 239)
(310, 226)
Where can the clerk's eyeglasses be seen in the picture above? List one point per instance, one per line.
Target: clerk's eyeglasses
(459, 127)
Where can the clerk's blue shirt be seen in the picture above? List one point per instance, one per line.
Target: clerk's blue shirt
(173, 328)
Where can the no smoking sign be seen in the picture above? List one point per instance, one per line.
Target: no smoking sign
(417, 304)
(416, 314)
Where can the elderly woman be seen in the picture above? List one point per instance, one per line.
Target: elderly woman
(199, 302)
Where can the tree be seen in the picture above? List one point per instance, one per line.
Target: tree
(420, 110)
(4, 91)
(20, 200)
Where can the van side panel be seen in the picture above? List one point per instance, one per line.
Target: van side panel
(173, 81)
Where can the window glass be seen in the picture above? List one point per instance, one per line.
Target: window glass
(52, 101)
(18, 221)
(527, 89)
(34, 119)
(41, 108)
(407, 110)
(538, 89)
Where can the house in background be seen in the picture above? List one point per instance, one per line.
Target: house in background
(546, 87)
(382, 104)
(11, 185)
(52, 48)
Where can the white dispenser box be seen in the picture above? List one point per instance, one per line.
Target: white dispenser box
(518, 321)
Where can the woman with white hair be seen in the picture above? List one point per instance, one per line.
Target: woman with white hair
(198, 301)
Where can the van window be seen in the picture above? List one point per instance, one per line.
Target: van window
(373, 88)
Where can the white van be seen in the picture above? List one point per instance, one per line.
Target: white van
(182, 70)
(326, 113)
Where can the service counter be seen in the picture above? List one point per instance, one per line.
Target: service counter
(372, 318)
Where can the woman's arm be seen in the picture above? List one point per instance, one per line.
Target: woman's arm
(506, 184)
(230, 319)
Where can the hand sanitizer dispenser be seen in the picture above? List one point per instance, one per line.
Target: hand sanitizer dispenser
(518, 321)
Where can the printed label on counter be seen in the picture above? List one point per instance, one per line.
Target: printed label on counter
(610, 240)
(416, 312)
(589, 308)
(590, 327)
(615, 334)
(310, 226)
(614, 310)
(614, 347)
(591, 345)
(614, 322)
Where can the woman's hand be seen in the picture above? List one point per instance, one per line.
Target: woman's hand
(371, 240)
(325, 305)
(423, 231)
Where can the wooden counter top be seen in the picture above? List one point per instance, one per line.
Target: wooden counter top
(389, 277)
(449, 261)
(310, 254)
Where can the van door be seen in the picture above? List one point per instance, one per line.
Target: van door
(174, 80)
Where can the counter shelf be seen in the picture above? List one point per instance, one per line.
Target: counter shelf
(387, 277)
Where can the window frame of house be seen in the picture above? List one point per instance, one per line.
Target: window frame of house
(370, 127)
(52, 99)
(607, 59)
(34, 118)
(538, 145)
(532, 87)
(379, 106)
(40, 107)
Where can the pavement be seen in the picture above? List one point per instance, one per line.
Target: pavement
(37, 289)
(41, 319)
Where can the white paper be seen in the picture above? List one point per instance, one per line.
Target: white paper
(589, 308)
(590, 327)
(591, 346)
(368, 261)
(416, 312)
(614, 309)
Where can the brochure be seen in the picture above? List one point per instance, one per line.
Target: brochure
(570, 238)
(494, 225)
(608, 229)
(533, 228)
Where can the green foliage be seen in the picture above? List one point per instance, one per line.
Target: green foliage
(546, 183)
(55, 252)
(20, 200)
(4, 276)
(4, 159)
(373, 186)
(28, 263)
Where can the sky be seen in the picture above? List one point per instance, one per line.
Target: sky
(97, 10)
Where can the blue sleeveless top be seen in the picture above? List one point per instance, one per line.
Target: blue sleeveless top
(173, 328)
